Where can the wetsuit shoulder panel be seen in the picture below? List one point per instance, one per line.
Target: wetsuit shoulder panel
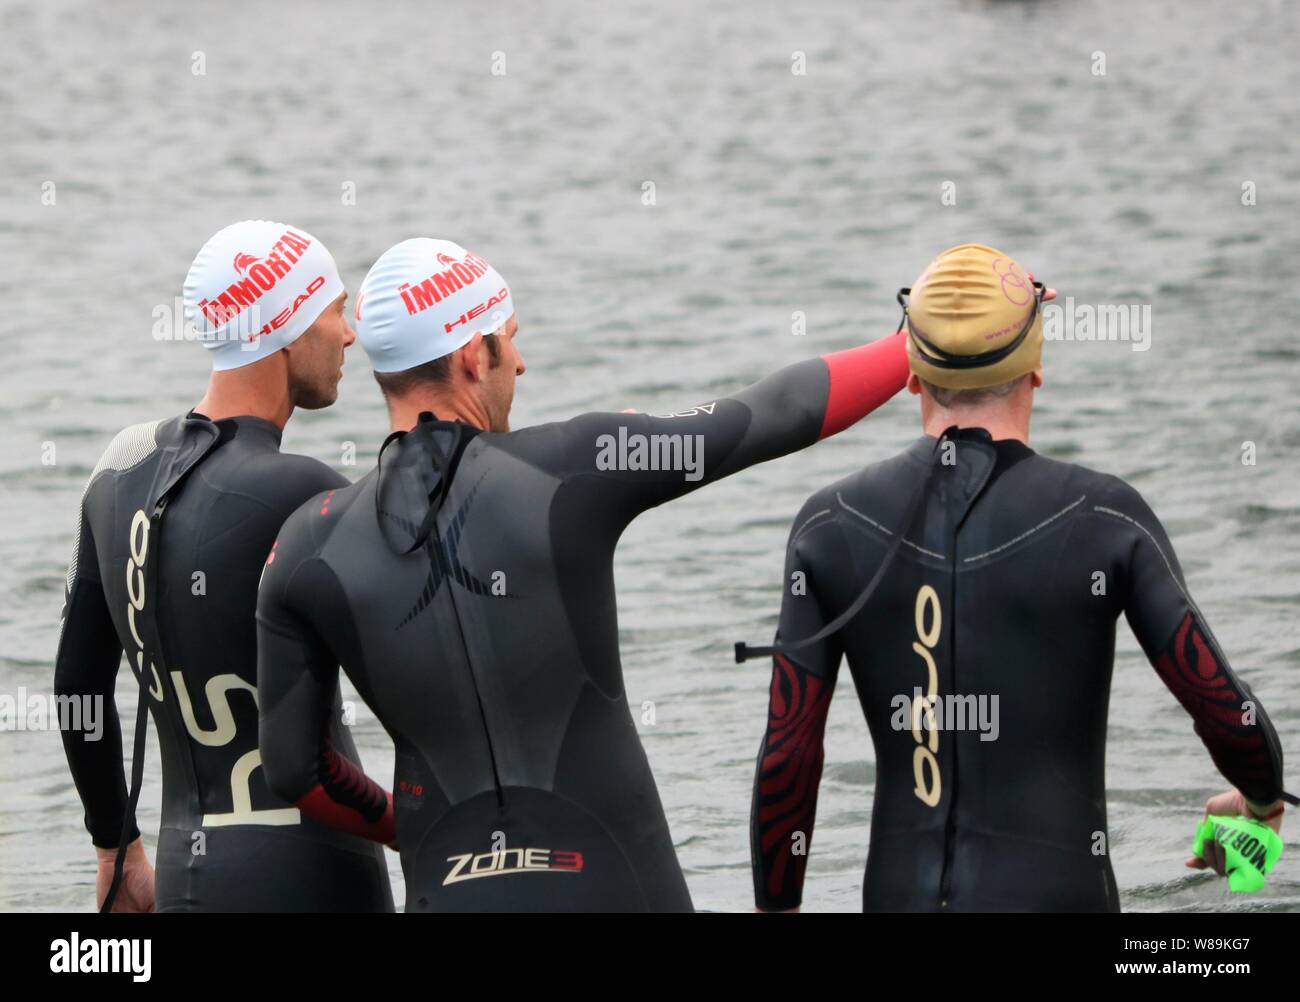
(282, 482)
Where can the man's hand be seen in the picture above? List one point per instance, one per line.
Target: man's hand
(136, 892)
(1233, 804)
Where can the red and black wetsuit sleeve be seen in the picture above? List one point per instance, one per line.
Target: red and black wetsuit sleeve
(632, 462)
(1226, 715)
(85, 668)
(297, 685)
(789, 410)
(790, 757)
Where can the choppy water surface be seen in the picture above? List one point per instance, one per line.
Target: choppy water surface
(775, 193)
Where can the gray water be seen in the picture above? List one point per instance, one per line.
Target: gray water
(775, 193)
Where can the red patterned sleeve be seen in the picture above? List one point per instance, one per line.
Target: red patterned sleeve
(1225, 713)
(785, 784)
(790, 759)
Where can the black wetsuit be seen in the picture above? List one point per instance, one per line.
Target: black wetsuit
(1029, 562)
(489, 651)
(179, 595)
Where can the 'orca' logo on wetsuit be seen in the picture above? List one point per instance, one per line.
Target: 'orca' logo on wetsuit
(501, 862)
(925, 766)
(135, 595)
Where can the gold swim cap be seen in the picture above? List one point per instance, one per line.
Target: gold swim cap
(973, 319)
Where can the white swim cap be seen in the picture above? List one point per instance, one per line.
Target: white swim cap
(255, 287)
(425, 298)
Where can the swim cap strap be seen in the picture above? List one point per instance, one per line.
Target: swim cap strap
(941, 359)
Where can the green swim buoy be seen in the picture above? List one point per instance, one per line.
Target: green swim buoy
(1250, 848)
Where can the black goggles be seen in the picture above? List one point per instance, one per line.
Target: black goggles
(941, 359)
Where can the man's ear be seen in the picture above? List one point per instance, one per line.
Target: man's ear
(468, 357)
(1037, 378)
(913, 383)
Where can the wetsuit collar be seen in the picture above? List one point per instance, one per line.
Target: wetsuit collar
(1010, 450)
(975, 474)
(973, 434)
(413, 482)
(244, 424)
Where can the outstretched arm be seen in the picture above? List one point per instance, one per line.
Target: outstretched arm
(641, 460)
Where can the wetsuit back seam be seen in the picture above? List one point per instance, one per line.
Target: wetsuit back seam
(869, 520)
(1182, 590)
(1025, 535)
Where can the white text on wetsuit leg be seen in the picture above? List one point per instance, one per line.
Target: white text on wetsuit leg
(223, 732)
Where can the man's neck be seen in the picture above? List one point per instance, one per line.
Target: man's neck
(245, 393)
(404, 413)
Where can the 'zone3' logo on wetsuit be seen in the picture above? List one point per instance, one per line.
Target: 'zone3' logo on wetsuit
(499, 862)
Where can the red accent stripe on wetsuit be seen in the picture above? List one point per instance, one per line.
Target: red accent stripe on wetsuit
(862, 379)
(789, 772)
(348, 799)
(1193, 674)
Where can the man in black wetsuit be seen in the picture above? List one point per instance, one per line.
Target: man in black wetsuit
(466, 586)
(176, 522)
(1000, 576)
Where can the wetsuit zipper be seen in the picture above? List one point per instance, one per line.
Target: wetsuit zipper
(473, 678)
(453, 577)
(950, 824)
